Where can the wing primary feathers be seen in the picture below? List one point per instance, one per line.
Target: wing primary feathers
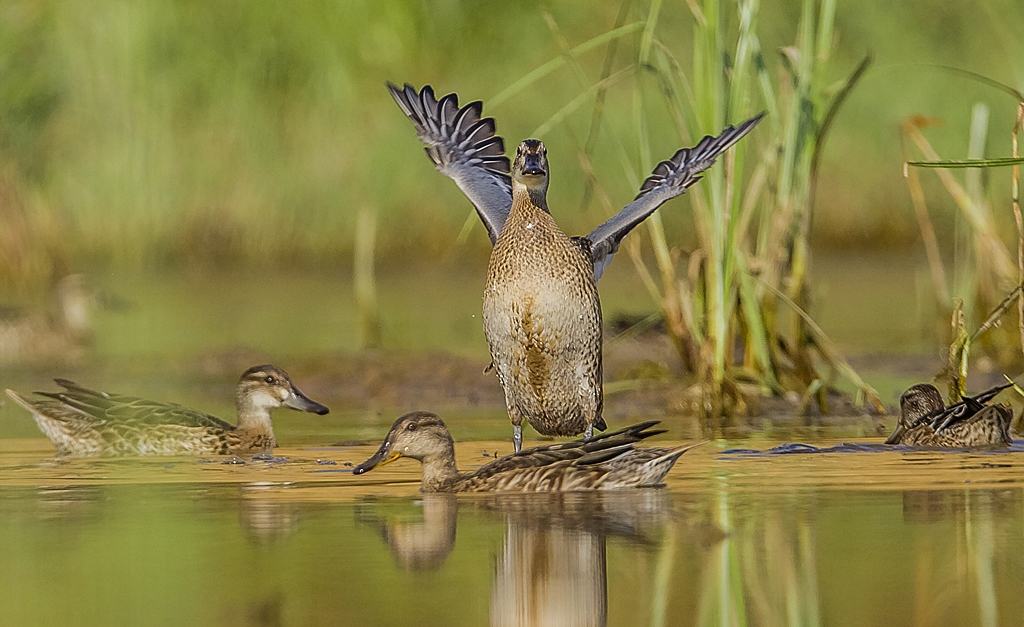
(463, 147)
(669, 179)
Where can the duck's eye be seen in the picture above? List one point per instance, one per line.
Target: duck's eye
(411, 426)
(271, 380)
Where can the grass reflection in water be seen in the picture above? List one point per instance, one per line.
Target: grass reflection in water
(823, 538)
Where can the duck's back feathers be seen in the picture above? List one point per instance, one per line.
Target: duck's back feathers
(989, 427)
(607, 461)
(85, 423)
(109, 409)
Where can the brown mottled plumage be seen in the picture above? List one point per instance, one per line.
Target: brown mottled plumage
(926, 421)
(606, 462)
(85, 423)
(542, 314)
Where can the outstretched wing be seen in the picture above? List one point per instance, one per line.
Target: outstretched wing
(669, 179)
(117, 409)
(464, 148)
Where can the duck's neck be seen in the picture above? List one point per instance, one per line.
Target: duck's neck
(440, 472)
(252, 417)
(529, 198)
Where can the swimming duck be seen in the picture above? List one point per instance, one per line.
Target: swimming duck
(85, 423)
(926, 421)
(60, 336)
(541, 311)
(605, 462)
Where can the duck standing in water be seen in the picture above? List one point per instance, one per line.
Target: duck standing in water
(541, 311)
(84, 423)
(926, 421)
(606, 462)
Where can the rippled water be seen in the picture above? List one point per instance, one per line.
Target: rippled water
(735, 537)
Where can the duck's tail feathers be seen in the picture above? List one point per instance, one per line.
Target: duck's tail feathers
(633, 433)
(71, 386)
(653, 472)
(19, 399)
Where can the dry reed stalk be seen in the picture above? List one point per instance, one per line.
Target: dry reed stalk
(917, 197)
(1015, 201)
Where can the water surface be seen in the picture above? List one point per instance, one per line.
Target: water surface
(734, 538)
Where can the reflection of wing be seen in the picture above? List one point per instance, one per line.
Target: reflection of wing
(464, 148)
(115, 409)
(669, 179)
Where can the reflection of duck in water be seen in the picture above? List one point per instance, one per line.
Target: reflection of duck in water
(264, 516)
(85, 423)
(606, 462)
(60, 336)
(926, 421)
(551, 569)
(418, 546)
(550, 576)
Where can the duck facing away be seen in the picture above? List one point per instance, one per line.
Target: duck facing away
(926, 421)
(541, 311)
(85, 423)
(606, 462)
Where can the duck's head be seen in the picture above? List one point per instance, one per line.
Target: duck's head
(916, 403)
(268, 387)
(419, 435)
(530, 169)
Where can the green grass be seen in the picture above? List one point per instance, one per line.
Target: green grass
(246, 131)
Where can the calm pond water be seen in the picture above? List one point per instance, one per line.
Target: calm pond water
(860, 538)
(735, 538)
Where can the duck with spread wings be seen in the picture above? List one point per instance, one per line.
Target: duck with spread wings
(541, 311)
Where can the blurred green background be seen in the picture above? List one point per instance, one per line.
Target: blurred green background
(250, 133)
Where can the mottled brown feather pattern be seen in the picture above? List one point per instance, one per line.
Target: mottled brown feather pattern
(542, 319)
(988, 426)
(606, 462)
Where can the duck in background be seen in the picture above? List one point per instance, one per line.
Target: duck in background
(85, 423)
(60, 336)
(971, 423)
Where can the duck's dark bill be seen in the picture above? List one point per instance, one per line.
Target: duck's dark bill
(381, 457)
(302, 402)
(532, 166)
(896, 435)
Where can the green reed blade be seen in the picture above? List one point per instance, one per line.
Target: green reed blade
(999, 162)
(552, 65)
